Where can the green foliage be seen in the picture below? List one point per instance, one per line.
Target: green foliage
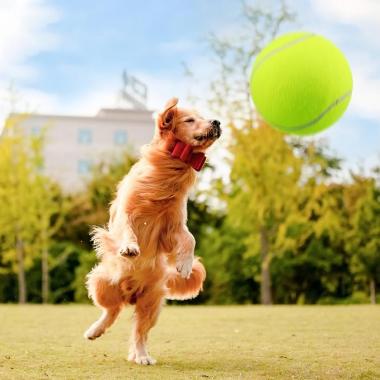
(63, 260)
(90, 206)
(230, 270)
(284, 229)
(87, 260)
(296, 230)
(44, 235)
(20, 179)
(19, 162)
(264, 175)
(363, 238)
(322, 236)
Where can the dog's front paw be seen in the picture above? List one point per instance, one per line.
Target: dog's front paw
(184, 265)
(129, 250)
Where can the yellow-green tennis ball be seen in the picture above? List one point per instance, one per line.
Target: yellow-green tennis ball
(301, 83)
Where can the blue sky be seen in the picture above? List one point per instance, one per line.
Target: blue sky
(67, 56)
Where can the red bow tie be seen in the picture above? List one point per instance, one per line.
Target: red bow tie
(184, 152)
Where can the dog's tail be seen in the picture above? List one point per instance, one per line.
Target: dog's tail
(186, 288)
(102, 241)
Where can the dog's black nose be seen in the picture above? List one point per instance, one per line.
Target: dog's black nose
(215, 124)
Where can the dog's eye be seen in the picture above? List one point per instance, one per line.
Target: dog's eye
(189, 121)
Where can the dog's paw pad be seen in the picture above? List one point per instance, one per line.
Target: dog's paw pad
(129, 250)
(185, 266)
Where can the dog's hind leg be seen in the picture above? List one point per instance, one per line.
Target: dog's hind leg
(106, 295)
(147, 310)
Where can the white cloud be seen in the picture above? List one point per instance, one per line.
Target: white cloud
(364, 13)
(366, 92)
(103, 94)
(355, 26)
(23, 31)
(100, 95)
(25, 99)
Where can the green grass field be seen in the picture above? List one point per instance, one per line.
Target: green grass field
(204, 342)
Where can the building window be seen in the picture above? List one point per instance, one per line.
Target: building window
(120, 137)
(84, 167)
(84, 136)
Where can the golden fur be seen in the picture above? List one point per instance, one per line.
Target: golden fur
(146, 252)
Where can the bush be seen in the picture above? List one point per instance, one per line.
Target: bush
(87, 261)
(356, 298)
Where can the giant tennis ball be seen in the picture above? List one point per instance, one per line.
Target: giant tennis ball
(301, 83)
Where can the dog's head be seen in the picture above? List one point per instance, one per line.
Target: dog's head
(175, 123)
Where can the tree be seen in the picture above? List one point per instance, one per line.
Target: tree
(49, 208)
(88, 208)
(91, 205)
(230, 98)
(264, 179)
(32, 203)
(363, 200)
(314, 262)
(20, 159)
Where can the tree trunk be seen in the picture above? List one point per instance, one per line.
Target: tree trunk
(45, 275)
(372, 291)
(266, 285)
(21, 271)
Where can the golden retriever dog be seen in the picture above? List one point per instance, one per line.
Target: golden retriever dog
(146, 251)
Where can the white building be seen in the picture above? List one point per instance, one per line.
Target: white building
(75, 143)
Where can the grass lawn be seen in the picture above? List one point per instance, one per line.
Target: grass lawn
(204, 342)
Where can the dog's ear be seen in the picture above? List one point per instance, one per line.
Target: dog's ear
(166, 118)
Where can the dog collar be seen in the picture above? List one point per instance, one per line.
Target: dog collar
(184, 152)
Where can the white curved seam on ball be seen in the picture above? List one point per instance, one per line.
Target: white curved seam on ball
(283, 47)
(318, 118)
